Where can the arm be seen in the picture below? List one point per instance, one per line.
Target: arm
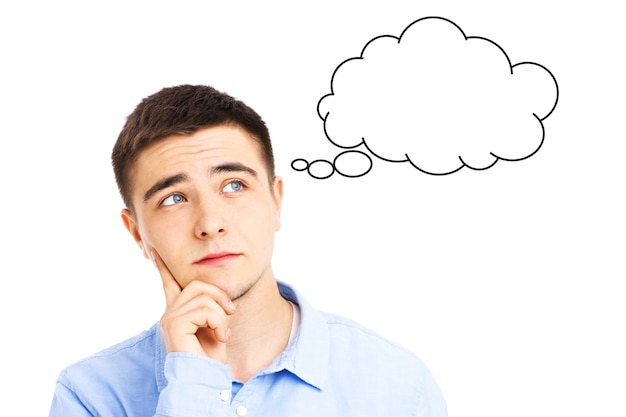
(197, 384)
(198, 381)
(430, 401)
(66, 403)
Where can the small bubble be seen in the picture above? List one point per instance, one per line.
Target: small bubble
(352, 164)
(321, 169)
(299, 164)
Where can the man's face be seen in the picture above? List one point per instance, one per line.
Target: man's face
(204, 205)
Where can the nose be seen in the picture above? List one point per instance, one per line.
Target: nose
(210, 220)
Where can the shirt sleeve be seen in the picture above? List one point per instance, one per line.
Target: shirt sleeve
(66, 403)
(196, 386)
(430, 400)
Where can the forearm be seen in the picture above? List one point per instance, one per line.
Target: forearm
(196, 386)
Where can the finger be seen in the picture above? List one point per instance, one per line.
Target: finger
(185, 305)
(181, 322)
(198, 288)
(171, 288)
(210, 316)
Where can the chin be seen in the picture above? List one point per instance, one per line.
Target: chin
(234, 289)
(238, 293)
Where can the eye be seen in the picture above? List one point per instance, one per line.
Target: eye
(173, 199)
(233, 187)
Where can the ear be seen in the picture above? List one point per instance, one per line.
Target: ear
(277, 197)
(131, 225)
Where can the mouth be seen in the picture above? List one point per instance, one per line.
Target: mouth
(219, 258)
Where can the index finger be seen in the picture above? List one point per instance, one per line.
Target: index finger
(170, 286)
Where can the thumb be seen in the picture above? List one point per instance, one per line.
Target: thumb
(171, 287)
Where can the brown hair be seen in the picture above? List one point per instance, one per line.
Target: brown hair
(183, 109)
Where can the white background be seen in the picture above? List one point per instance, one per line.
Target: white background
(507, 282)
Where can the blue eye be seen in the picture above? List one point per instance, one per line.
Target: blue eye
(233, 187)
(173, 199)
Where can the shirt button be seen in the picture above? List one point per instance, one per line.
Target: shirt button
(242, 411)
(225, 395)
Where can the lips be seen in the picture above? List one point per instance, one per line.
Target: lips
(217, 258)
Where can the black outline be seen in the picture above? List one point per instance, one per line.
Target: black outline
(308, 169)
(352, 176)
(408, 159)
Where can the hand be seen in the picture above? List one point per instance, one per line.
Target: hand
(197, 317)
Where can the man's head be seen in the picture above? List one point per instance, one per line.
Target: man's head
(184, 109)
(196, 172)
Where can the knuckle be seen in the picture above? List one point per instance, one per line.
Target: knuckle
(206, 299)
(167, 325)
(206, 311)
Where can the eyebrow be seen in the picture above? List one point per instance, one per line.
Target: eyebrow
(233, 167)
(164, 183)
(184, 177)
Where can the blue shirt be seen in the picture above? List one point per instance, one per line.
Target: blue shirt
(333, 367)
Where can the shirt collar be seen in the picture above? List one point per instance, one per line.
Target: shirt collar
(307, 356)
(159, 357)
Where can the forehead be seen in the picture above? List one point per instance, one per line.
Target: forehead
(200, 150)
(205, 144)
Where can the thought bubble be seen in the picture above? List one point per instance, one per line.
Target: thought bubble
(438, 100)
(348, 164)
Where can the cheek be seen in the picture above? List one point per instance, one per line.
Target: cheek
(168, 244)
(154, 241)
(277, 223)
(263, 232)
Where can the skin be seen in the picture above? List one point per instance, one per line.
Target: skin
(206, 214)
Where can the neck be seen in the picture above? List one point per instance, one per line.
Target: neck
(260, 327)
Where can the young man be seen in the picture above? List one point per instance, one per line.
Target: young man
(195, 169)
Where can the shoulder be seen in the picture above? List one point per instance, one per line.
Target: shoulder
(346, 339)
(377, 364)
(137, 353)
(353, 337)
(120, 380)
